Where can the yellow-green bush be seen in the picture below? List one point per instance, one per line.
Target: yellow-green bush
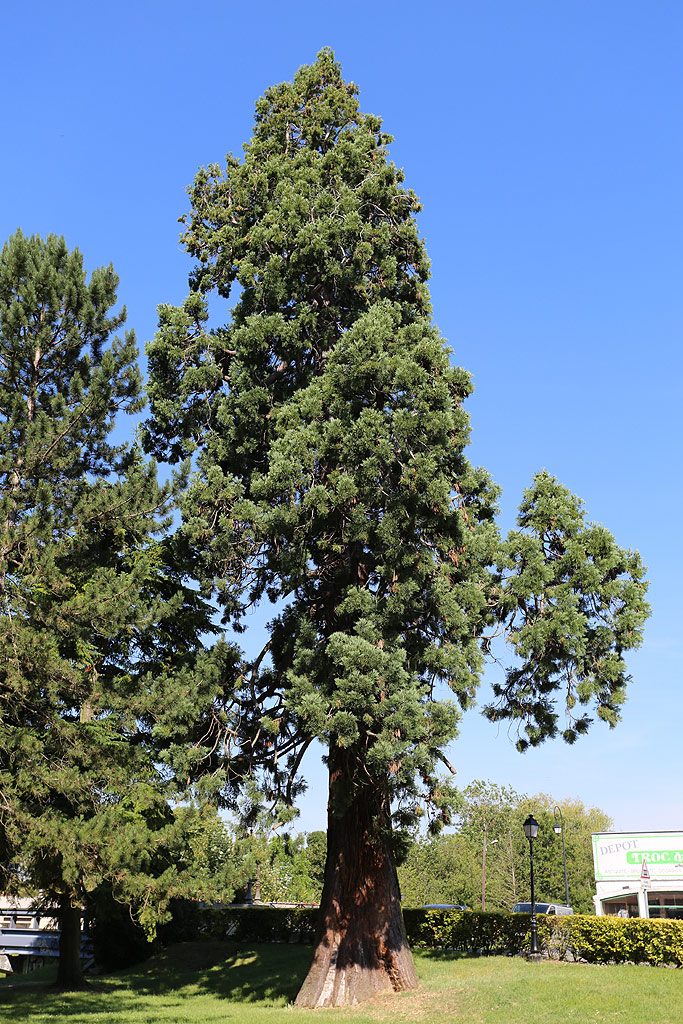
(601, 940)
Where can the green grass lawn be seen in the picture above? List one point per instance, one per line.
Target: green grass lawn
(212, 982)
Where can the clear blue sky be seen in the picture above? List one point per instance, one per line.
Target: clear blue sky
(545, 142)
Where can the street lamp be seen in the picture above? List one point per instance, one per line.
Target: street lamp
(531, 831)
(558, 829)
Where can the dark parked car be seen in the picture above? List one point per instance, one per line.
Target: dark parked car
(543, 908)
(444, 906)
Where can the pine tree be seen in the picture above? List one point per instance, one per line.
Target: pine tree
(327, 426)
(93, 608)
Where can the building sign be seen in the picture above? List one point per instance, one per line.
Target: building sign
(621, 855)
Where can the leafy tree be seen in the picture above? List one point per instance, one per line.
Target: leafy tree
(450, 868)
(93, 607)
(312, 860)
(496, 813)
(441, 869)
(327, 426)
(578, 823)
(259, 849)
(486, 820)
(482, 864)
(290, 868)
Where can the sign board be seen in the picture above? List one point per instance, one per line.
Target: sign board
(621, 855)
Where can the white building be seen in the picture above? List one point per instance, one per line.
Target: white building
(638, 874)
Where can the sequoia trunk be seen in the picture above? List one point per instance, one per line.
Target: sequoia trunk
(360, 945)
(69, 971)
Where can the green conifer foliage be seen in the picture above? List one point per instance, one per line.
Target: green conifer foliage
(329, 431)
(573, 603)
(327, 426)
(92, 608)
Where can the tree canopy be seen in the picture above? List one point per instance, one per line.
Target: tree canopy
(94, 610)
(325, 420)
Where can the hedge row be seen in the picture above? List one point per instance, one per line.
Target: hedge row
(598, 940)
(467, 930)
(603, 940)
(435, 929)
(244, 924)
(579, 937)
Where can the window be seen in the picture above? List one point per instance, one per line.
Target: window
(665, 904)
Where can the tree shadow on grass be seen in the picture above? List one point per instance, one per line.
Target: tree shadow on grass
(240, 973)
(445, 955)
(267, 974)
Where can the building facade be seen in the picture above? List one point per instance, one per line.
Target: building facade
(638, 874)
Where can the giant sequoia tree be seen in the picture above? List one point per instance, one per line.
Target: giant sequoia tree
(327, 426)
(93, 609)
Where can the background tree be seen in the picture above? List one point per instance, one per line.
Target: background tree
(93, 607)
(291, 867)
(259, 847)
(311, 866)
(327, 426)
(579, 822)
(486, 819)
(449, 868)
(444, 868)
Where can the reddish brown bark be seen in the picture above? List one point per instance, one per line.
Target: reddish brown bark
(360, 946)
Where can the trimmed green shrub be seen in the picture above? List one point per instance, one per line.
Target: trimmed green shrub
(243, 924)
(599, 940)
(603, 940)
(186, 924)
(468, 930)
(271, 924)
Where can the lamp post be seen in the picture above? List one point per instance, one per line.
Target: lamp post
(558, 829)
(531, 831)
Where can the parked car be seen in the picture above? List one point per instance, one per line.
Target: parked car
(444, 906)
(543, 908)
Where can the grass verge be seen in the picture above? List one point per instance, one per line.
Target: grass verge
(211, 982)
